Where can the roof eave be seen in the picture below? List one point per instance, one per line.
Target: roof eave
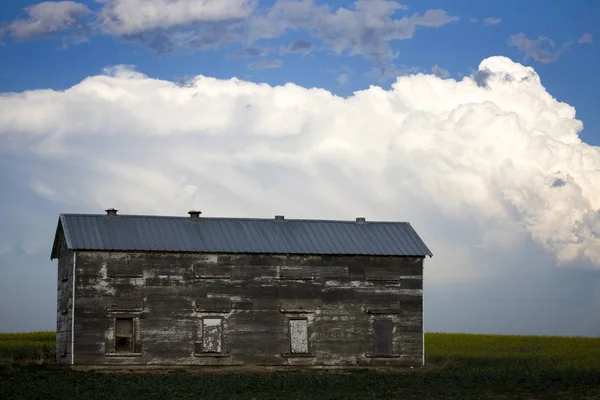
(132, 250)
(61, 231)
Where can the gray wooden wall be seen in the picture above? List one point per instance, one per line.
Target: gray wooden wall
(169, 294)
(64, 307)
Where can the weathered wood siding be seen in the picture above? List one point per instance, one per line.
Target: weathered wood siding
(64, 307)
(255, 296)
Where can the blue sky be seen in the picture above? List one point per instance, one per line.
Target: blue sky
(456, 47)
(97, 111)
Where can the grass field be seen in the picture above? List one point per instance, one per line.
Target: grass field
(459, 366)
(31, 346)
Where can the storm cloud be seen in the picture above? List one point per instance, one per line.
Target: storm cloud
(494, 177)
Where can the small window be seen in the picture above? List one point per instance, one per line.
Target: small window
(212, 335)
(382, 337)
(298, 336)
(124, 335)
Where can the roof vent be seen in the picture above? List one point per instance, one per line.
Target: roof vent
(360, 219)
(279, 217)
(194, 214)
(111, 212)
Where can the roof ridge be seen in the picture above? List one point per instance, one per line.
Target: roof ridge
(236, 218)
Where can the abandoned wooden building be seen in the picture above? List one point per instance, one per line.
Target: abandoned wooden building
(158, 290)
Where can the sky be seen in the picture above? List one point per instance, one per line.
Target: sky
(477, 122)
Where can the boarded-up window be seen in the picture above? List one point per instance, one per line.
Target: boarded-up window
(124, 335)
(298, 336)
(212, 335)
(382, 337)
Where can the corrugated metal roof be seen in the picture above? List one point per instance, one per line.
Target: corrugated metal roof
(238, 235)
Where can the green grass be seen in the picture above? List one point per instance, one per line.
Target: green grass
(26, 346)
(535, 352)
(459, 366)
(46, 336)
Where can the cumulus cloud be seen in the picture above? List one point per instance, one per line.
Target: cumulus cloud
(586, 38)
(130, 17)
(542, 49)
(49, 18)
(492, 21)
(478, 169)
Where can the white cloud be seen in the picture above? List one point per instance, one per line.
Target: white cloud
(128, 17)
(587, 38)
(365, 28)
(477, 166)
(49, 18)
(492, 21)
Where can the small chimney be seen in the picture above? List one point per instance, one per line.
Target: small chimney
(194, 214)
(280, 217)
(111, 212)
(360, 219)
